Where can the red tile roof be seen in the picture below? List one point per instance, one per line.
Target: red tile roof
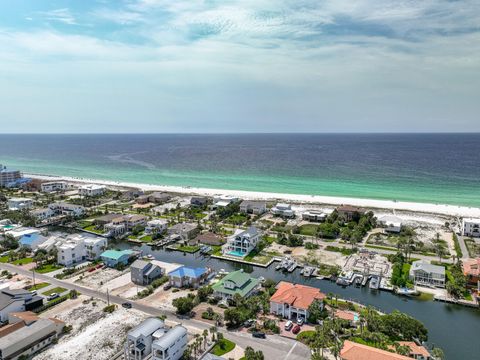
(415, 349)
(354, 351)
(299, 296)
(345, 315)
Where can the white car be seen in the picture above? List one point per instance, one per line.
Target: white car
(300, 321)
(288, 325)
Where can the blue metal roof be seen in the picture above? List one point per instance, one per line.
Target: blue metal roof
(185, 271)
(28, 239)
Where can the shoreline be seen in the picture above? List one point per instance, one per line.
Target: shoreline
(450, 210)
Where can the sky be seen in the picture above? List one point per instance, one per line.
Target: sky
(160, 66)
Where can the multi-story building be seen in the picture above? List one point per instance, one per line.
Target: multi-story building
(94, 246)
(19, 203)
(314, 216)
(283, 210)
(253, 207)
(71, 253)
(63, 208)
(92, 190)
(171, 344)
(8, 176)
(54, 186)
(140, 339)
(186, 231)
(392, 224)
(471, 227)
(16, 300)
(143, 272)
(424, 273)
(156, 226)
(242, 242)
(350, 213)
(236, 282)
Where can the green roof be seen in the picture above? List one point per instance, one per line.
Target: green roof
(243, 283)
(115, 254)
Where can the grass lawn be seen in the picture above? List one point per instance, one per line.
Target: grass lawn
(48, 268)
(39, 286)
(23, 261)
(222, 347)
(216, 250)
(257, 258)
(344, 250)
(237, 219)
(93, 229)
(57, 290)
(308, 229)
(146, 238)
(4, 259)
(188, 248)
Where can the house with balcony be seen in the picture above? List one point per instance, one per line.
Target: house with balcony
(314, 216)
(283, 210)
(63, 208)
(140, 339)
(242, 242)
(143, 272)
(156, 226)
(170, 345)
(425, 274)
(113, 258)
(20, 203)
(186, 231)
(471, 227)
(17, 300)
(92, 190)
(236, 282)
(253, 207)
(392, 224)
(185, 276)
(291, 301)
(53, 186)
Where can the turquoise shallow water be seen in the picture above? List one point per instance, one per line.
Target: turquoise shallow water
(419, 168)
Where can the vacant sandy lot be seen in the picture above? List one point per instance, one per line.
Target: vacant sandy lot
(163, 299)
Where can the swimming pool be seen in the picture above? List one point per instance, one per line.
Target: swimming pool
(236, 253)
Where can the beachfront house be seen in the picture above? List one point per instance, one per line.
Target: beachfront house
(185, 276)
(53, 186)
(8, 176)
(19, 203)
(186, 231)
(471, 227)
(67, 209)
(392, 224)
(236, 282)
(314, 216)
(170, 345)
(92, 190)
(425, 274)
(156, 226)
(350, 213)
(114, 258)
(223, 200)
(242, 242)
(27, 334)
(283, 210)
(32, 241)
(143, 272)
(291, 301)
(199, 201)
(253, 207)
(17, 300)
(140, 339)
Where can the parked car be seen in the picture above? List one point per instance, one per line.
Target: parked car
(288, 325)
(52, 296)
(167, 287)
(248, 323)
(259, 335)
(296, 329)
(300, 321)
(127, 305)
(34, 292)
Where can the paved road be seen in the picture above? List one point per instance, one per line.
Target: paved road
(463, 247)
(274, 347)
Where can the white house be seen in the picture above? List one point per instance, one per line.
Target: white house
(54, 186)
(19, 203)
(242, 242)
(77, 248)
(18, 232)
(92, 190)
(253, 207)
(283, 210)
(471, 227)
(94, 246)
(63, 208)
(392, 223)
(156, 226)
(43, 213)
(170, 345)
(424, 273)
(314, 215)
(140, 339)
(223, 200)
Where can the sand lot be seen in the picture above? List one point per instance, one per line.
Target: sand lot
(95, 334)
(163, 299)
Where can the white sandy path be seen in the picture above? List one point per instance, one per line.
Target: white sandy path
(454, 210)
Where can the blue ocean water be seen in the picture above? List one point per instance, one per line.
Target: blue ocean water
(435, 168)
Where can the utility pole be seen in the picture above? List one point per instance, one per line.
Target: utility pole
(33, 272)
(108, 298)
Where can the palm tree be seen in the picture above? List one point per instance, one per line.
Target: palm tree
(205, 338)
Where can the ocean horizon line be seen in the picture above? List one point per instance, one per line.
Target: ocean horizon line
(257, 133)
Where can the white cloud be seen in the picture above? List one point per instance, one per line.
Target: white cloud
(61, 15)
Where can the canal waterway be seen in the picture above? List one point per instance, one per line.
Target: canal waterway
(452, 327)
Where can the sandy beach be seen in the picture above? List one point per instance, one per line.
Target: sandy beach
(451, 210)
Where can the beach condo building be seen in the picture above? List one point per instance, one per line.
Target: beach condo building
(236, 282)
(199, 201)
(471, 270)
(350, 213)
(242, 242)
(54, 186)
(94, 246)
(140, 339)
(8, 176)
(355, 351)
(392, 224)
(471, 227)
(42, 214)
(67, 209)
(426, 274)
(291, 301)
(170, 345)
(156, 226)
(187, 277)
(71, 253)
(143, 272)
(133, 220)
(186, 231)
(20, 203)
(253, 207)
(113, 258)
(314, 216)
(32, 241)
(223, 200)
(26, 334)
(283, 210)
(91, 190)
